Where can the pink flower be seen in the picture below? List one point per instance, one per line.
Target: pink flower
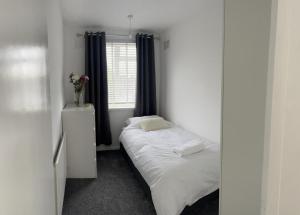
(84, 78)
(78, 81)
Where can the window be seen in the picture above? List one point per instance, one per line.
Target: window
(121, 74)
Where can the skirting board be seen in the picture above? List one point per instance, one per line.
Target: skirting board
(107, 148)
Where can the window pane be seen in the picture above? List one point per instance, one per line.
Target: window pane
(121, 69)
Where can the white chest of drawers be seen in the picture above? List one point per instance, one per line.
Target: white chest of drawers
(79, 128)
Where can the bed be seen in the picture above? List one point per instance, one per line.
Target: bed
(175, 182)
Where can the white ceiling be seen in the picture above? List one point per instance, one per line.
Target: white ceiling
(149, 15)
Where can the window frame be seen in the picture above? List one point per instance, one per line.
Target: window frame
(118, 40)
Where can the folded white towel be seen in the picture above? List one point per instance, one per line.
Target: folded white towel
(190, 147)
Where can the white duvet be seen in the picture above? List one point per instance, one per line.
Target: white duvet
(174, 181)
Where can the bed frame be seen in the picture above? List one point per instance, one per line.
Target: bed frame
(188, 209)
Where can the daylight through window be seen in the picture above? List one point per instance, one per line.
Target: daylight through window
(121, 72)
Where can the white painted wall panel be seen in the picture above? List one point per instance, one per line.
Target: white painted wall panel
(281, 188)
(246, 60)
(26, 159)
(55, 67)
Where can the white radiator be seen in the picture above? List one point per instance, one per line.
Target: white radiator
(60, 168)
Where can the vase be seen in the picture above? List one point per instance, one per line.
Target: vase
(77, 98)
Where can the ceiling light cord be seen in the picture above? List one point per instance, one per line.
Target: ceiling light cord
(130, 17)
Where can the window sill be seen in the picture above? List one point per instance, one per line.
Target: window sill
(120, 109)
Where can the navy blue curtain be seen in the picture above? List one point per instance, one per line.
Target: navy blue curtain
(97, 91)
(146, 82)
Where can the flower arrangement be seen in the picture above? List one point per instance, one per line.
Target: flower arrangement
(78, 83)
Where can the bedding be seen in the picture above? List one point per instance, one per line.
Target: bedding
(153, 124)
(136, 120)
(174, 181)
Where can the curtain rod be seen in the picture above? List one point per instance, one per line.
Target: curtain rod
(115, 35)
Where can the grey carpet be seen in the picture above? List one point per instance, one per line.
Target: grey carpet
(115, 192)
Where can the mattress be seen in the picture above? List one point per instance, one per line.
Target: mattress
(175, 182)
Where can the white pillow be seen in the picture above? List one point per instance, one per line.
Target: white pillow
(153, 124)
(136, 120)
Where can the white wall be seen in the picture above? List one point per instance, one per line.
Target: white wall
(73, 58)
(55, 67)
(26, 159)
(281, 189)
(247, 27)
(191, 72)
(74, 61)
